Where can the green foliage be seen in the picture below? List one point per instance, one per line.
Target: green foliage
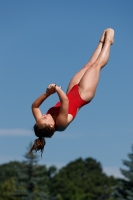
(25, 180)
(81, 180)
(9, 170)
(30, 180)
(7, 183)
(124, 190)
(6, 189)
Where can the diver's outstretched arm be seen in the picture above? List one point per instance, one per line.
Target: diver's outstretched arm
(36, 104)
(62, 118)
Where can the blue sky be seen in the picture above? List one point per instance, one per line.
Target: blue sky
(43, 42)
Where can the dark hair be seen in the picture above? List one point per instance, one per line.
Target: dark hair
(41, 132)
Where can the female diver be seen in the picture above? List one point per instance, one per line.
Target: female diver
(80, 91)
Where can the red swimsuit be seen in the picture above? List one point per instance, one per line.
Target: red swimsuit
(75, 102)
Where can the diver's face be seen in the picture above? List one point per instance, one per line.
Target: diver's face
(46, 119)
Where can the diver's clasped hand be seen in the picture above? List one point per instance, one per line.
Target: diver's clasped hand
(52, 88)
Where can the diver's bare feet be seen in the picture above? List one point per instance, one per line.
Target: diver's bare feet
(103, 36)
(109, 35)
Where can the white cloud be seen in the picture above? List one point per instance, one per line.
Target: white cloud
(26, 132)
(15, 132)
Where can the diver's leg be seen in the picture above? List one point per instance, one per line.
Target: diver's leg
(89, 81)
(76, 78)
